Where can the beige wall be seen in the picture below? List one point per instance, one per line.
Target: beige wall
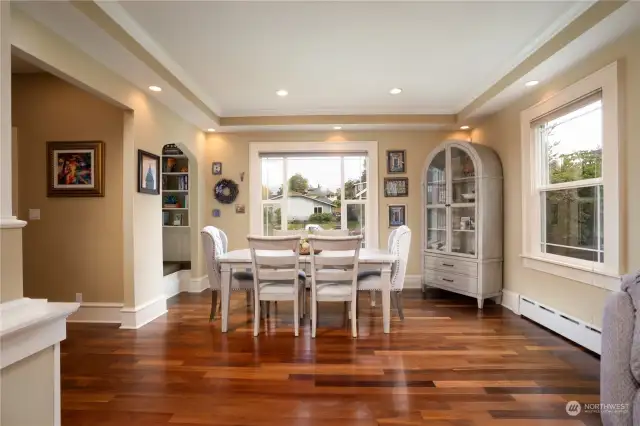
(76, 246)
(148, 125)
(28, 390)
(233, 151)
(502, 132)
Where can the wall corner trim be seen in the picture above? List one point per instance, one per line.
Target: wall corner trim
(97, 312)
(413, 281)
(198, 285)
(511, 301)
(12, 223)
(138, 316)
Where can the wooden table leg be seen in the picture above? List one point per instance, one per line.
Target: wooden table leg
(386, 299)
(225, 284)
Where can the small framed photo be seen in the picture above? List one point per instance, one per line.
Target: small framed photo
(396, 161)
(75, 169)
(397, 215)
(148, 176)
(216, 212)
(216, 168)
(396, 187)
(240, 208)
(177, 219)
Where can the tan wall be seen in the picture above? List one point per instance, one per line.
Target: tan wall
(233, 151)
(76, 246)
(148, 125)
(502, 132)
(28, 388)
(11, 264)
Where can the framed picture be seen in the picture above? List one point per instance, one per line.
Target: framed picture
(396, 162)
(240, 208)
(75, 169)
(177, 219)
(216, 168)
(397, 215)
(396, 187)
(148, 173)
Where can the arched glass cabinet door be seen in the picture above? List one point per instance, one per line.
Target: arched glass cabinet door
(463, 202)
(436, 197)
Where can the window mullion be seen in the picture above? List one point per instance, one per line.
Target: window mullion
(284, 207)
(343, 202)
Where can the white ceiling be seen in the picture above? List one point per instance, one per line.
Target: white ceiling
(333, 57)
(343, 57)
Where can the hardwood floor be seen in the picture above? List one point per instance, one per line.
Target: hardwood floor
(446, 364)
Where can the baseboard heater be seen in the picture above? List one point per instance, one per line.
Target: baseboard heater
(584, 334)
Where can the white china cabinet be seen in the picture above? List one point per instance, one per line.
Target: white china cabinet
(462, 220)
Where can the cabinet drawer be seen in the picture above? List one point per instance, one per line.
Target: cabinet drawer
(462, 267)
(455, 281)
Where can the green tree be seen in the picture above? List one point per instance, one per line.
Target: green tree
(298, 183)
(350, 189)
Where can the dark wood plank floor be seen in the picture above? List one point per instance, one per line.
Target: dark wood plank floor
(446, 364)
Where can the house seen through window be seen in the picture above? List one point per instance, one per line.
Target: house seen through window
(316, 190)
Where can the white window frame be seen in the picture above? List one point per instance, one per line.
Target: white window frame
(370, 148)
(316, 208)
(605, 275)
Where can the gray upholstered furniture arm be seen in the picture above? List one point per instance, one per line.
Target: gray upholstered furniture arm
(617, 385)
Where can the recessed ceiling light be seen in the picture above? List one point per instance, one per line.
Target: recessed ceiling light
(282, 93)
(337, 127)
(211, 130)
(155, 88)
(531, 83)
(395, 91)
(464, 127)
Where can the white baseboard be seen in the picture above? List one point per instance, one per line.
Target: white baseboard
(198, 285)
(511, 301)
(176, 282)
(105, 313)
(136, 317)
(412, 281)
(584, 334)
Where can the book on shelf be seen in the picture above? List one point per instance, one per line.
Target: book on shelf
(183, 183)
(186, 201)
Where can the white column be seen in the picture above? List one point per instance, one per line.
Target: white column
(7, 220)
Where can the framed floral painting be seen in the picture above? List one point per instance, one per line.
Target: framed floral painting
(75, 169)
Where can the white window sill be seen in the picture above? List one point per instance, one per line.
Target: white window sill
(584, 275)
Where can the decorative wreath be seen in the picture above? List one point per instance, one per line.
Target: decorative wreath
(226, 191)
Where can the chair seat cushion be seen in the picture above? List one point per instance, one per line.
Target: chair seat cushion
(370, 273)
(275, 288)
(333, 290)
(248, 275)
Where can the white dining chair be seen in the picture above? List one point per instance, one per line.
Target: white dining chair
(399, 244)
(332, 232)
(215, 243)
(334, 275)
(276, 274)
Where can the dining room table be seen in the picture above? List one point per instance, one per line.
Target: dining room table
(369, 258)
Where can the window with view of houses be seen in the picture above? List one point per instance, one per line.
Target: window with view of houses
(319, 190)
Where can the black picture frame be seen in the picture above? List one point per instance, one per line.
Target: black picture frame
(148, 178)
(396, 187)
(397, 215)
(396, 161)
(216, 168)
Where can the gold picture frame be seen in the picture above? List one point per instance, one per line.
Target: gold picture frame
(75, 169)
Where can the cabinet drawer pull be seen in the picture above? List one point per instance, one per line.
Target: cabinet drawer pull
(447, 279)
(447, 264)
